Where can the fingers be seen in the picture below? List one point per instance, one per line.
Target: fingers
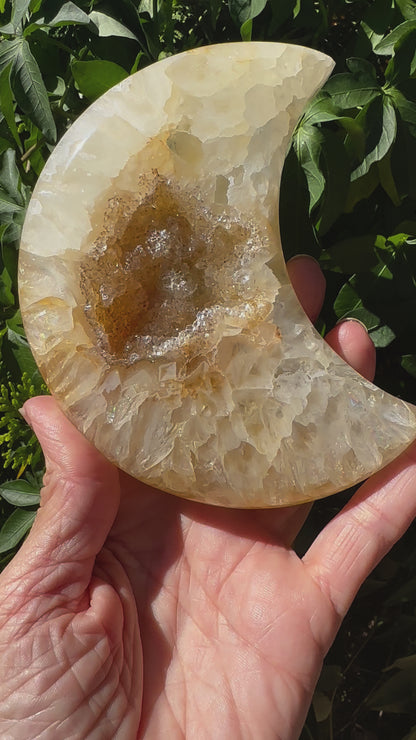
(283, 524)
(351, 342)
(308, 283)
(354, 542)
(79, 501)
(349, 339)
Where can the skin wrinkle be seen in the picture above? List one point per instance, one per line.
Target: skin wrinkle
(368, 512)
(70, 596)
(361, 522)
(272, 664)
(56, 642)
(237, 564)
(241, 638)
(179, 720)
(129, 658)
(98, 711)
(209, 688)
(102, 683)
(291, 689)
(320, 642)
(144, 724)
(28, 668)
(186, 670)
(35, 587)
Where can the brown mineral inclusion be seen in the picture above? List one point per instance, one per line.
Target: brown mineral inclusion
(145, 279)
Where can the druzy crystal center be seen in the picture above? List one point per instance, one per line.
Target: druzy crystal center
(163, 270)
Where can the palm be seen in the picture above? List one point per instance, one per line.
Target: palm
(225, 611)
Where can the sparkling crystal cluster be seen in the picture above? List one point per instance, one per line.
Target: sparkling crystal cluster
(156, 301)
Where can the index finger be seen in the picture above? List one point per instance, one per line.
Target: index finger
(308, 282)
(352, 544)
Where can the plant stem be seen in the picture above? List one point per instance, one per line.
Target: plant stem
(32, 149)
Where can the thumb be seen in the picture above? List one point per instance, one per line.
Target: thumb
(79, 502)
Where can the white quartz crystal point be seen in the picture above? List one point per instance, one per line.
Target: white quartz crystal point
(156, 301)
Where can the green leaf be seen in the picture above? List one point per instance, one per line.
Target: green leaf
(246, 30)
(31, 92)
(108, 26)
(380, 124)
(406, 108)
(10, 177)
(15, 323)
(281, 12)
(10, 260)
(16, 350)
(148, 6)
(351, 91)
(355, 254)
(404, 664)
(19, 10)
(347, 301)
(7, 106)
(137, 62)
(4, 144)
(9, 50)
(382, 336)
(386, 46)
(411, 735)
(245, 10)
(376, 20)
(298, 234)
(320, 110)
(6, 293)
(387, 179)
(398, 693)
(407, 9)
(15, 528)
(373, 37)
(68, 14)
(19, 493)
(96, 77)
(7, 204)
(402, 66)
(308, 144)
(370, 320)
(402, 160)
(322, 706)
(408, 363)
(362, 69)
(336, 168)
(406, 593)
(35, 5)
(331, 677)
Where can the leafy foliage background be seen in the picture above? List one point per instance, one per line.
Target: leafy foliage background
(348, 198)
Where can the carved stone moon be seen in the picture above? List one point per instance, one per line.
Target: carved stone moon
(156, 301)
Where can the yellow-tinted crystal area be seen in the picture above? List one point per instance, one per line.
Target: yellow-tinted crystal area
(156, 301)
(163, 270)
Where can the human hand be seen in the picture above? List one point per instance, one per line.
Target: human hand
(129, 613)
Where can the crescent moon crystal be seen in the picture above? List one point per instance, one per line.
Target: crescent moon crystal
(156, 300)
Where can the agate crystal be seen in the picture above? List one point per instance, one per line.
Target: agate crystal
(156, 301)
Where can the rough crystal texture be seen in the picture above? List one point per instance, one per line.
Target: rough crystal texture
(156, 301)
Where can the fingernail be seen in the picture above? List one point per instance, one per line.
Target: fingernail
(351, 318)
